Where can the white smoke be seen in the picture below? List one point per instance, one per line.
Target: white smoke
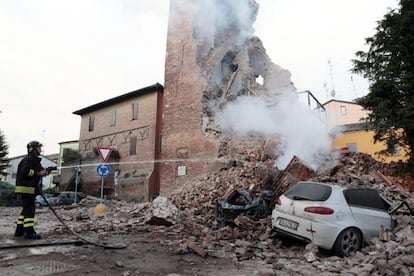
(299, 130)
(227, 24)
(216, 16)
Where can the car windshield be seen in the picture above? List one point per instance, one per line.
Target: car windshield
(309, 191)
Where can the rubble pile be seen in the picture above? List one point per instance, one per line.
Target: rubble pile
(201, 196)
(254, 239)
(361, 170)
(187, 222)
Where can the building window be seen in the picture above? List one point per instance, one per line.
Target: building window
(394, 150)
(397, 151)
(112, 118)
(343, 110)
(91, 122)
(134, 111)
(352, 147)
(133, 146)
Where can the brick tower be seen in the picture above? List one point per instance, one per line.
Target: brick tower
(212, 58)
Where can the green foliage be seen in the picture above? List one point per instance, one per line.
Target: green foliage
(4, 151)
(389, 66)
(70, 155)
(115, 154)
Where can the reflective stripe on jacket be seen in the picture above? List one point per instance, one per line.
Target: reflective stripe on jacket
(24, 190)
(27, 180)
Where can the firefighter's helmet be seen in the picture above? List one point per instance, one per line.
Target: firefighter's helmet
(33, 145)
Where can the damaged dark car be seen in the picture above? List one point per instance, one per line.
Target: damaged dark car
(243, 202)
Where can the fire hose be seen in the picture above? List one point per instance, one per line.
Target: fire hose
(103, 245)
(82, 239)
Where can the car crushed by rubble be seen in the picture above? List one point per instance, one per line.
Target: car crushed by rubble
(330, 216)
(243, 202)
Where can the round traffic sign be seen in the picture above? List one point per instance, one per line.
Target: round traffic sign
(103, 170)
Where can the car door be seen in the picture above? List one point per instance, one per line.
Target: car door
(369, 210)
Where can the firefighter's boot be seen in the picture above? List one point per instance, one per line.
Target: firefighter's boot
(19, 227)
(31, 234)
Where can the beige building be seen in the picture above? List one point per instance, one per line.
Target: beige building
(130, 126)
(343, 113)
(345, 119)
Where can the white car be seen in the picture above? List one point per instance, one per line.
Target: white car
(330, 216)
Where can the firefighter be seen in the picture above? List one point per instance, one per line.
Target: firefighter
(29, 174)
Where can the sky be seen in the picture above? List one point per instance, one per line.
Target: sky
(59, 56)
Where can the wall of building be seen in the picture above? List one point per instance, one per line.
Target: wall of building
(345, 118)
(342, 113)
(365, 144)
(135, 168)
(182, 136)
(210, 62)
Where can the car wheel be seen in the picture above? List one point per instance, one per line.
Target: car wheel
(348, 242)
(38, 204)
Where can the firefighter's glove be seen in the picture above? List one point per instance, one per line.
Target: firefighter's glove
(49, 169)
(42, 172)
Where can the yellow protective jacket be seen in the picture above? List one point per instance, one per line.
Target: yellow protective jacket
(27, 180)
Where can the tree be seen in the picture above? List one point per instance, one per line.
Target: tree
(4, 150)
(70, 155)
(389, 66)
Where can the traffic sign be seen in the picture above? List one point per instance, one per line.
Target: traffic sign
(104, 153)
(116, 176)
(103, 170)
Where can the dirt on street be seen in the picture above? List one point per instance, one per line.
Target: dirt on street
(147, 253)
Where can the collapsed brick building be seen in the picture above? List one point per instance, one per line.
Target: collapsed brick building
(211, 63)
(212, 59)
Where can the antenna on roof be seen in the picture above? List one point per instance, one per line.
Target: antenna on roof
(325, 87)
(353, 87)
(332, 82)
(353, 84)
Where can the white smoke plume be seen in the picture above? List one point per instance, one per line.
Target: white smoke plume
(225, 25)
(299, 130)
(219, 15)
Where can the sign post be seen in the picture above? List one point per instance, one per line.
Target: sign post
(102, 170)
(78, 171)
